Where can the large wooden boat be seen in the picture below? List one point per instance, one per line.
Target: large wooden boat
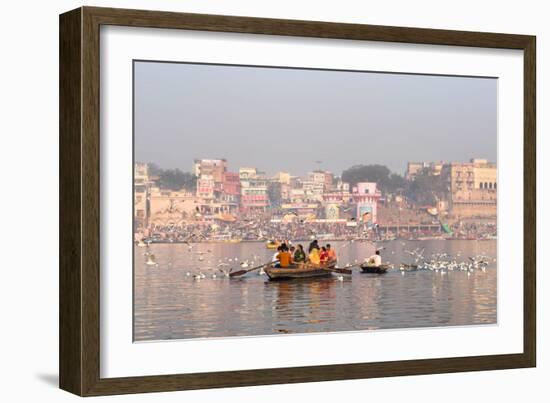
(365, 268)
(275, 273)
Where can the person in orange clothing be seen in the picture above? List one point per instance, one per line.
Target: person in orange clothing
(284, 257)
(331, 254)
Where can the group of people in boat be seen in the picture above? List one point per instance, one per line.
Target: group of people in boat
(288, 256)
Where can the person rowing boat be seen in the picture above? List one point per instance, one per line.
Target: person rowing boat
(375, 260)
(374, 264)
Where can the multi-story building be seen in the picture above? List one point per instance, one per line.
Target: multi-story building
(247, 173)
(230, 195)
(342, 186)
(366, 196)
(231, 184)
(362, 201)
(316, 176)
(472, 188)
(254, 194)
(313, 190)
(211, 168)
(205, 187)
(324, 177)
(141, 195)
(283, 178)
(337, 199)
(316, 184)
(297, 195)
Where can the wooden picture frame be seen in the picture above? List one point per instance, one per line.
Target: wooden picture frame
(79, 348)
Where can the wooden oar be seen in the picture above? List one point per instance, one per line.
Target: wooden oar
(346, 270)
(241, 272)
(337, 270)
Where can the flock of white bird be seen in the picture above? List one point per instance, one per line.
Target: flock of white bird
(222, 269)
(441, 263)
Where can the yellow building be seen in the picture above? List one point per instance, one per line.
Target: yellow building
(473, 188)
(282, 178)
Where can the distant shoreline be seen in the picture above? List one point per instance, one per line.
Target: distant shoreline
(322, 239)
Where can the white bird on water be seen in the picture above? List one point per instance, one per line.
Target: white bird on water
(225, 272)
(340, 278)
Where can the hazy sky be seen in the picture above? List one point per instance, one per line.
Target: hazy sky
(287, 119)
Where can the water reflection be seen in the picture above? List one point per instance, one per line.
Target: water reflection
(170, 304)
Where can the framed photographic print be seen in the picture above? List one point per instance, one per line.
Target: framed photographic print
(248, 201)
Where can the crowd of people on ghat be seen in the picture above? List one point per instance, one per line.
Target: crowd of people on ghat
(289, 256)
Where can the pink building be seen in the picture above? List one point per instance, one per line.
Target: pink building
(205, 188)
(254, 201)
(231, 184)
(366, 195)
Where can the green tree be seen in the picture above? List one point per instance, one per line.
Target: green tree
(386, 180)
(366, 173)
(427, 188)
(154, 169)
(173, 179)
(397, 183)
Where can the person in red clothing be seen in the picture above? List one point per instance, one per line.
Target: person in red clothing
(323, 256)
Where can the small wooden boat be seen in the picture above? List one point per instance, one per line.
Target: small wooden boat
(365, 268)
(278, 273)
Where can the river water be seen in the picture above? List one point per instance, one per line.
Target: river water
(170, 304)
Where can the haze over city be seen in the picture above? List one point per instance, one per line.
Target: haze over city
(300, 120)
